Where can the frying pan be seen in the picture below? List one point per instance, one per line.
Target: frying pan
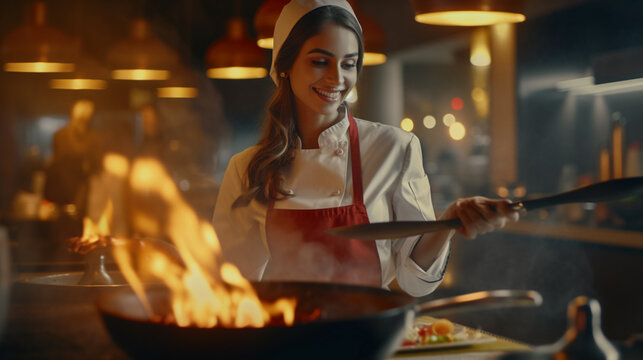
(610, 190)
(353, 323)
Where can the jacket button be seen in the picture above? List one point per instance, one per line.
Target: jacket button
(339, 152)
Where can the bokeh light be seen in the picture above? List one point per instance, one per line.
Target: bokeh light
(407, 124)
(457, 131)
(429, 122)
(457, 103)
(520, 191)
(448, 119)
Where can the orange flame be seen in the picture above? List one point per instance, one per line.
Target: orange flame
(94, 233)
(91, 230)
(205, 290)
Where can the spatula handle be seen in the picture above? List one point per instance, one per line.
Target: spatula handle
(599, 192)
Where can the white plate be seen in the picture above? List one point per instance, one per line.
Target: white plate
(464, 336)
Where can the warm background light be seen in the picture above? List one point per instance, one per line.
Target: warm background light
(236, 55)
(448, 119)
(480, 53)
(520, 191)
(140, 74)
(237, 72)
(78, 84)
(457, 131)
(480, 59)
(38, 67)
(457, 103)
(88, 75)
(478, 94)
(373, 59)
(177, 92)
(265, 19)
(266, 43)
(141, 55)
(469, 18)
(604, 159)
(617, 151)
(36, 47)
(407, 124)
(429, 122)
(480, 101)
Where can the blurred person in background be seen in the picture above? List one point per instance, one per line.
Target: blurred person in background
(77, 153)
(316, 167)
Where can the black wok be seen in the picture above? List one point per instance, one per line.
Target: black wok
(354, 323)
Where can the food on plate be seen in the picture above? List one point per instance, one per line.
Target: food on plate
(443, 327)
(438, 331)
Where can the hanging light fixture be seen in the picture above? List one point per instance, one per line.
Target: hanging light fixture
(88, 75)
(35, 47)
(141, 56)
(373, 35)
(374, 40)
(181, 85)
(468, 12)
(265, 19)
(236, 56)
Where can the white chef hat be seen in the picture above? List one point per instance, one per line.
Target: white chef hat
(290, 15)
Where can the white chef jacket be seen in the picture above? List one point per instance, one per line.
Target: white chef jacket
(395, 188)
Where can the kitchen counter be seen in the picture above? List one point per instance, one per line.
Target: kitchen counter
(56, 322)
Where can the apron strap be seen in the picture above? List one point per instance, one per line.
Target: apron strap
(356, 161)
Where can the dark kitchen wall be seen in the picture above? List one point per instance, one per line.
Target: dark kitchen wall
(560, 270)
(554, 127)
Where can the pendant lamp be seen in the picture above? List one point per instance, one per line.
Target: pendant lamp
(265, 19)
(236, 56)
(35, 47)
(141, 56)
(468, 12)
(181, 85)
(373, 35)
(88, 75)
(374, 41)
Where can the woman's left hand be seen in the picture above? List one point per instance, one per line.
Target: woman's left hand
(480, 215)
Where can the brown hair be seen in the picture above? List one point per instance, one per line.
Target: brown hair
(279, 139)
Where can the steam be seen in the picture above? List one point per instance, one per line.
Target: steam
(559, 270)
(313, 261)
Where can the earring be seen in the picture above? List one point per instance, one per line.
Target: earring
(283, 75)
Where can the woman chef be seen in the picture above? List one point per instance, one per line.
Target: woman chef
(317, 167)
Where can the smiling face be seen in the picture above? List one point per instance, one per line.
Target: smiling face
(324, 71)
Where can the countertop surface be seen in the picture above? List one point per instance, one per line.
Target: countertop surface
(61, 322)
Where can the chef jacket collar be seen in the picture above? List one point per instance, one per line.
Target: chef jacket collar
(335, 137)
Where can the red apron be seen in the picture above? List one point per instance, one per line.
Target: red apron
(300, 250)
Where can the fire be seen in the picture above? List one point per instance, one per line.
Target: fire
(95, 234)
(92, 232)
(205, 290)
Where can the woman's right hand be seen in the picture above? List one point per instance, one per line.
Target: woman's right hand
(481, 215)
